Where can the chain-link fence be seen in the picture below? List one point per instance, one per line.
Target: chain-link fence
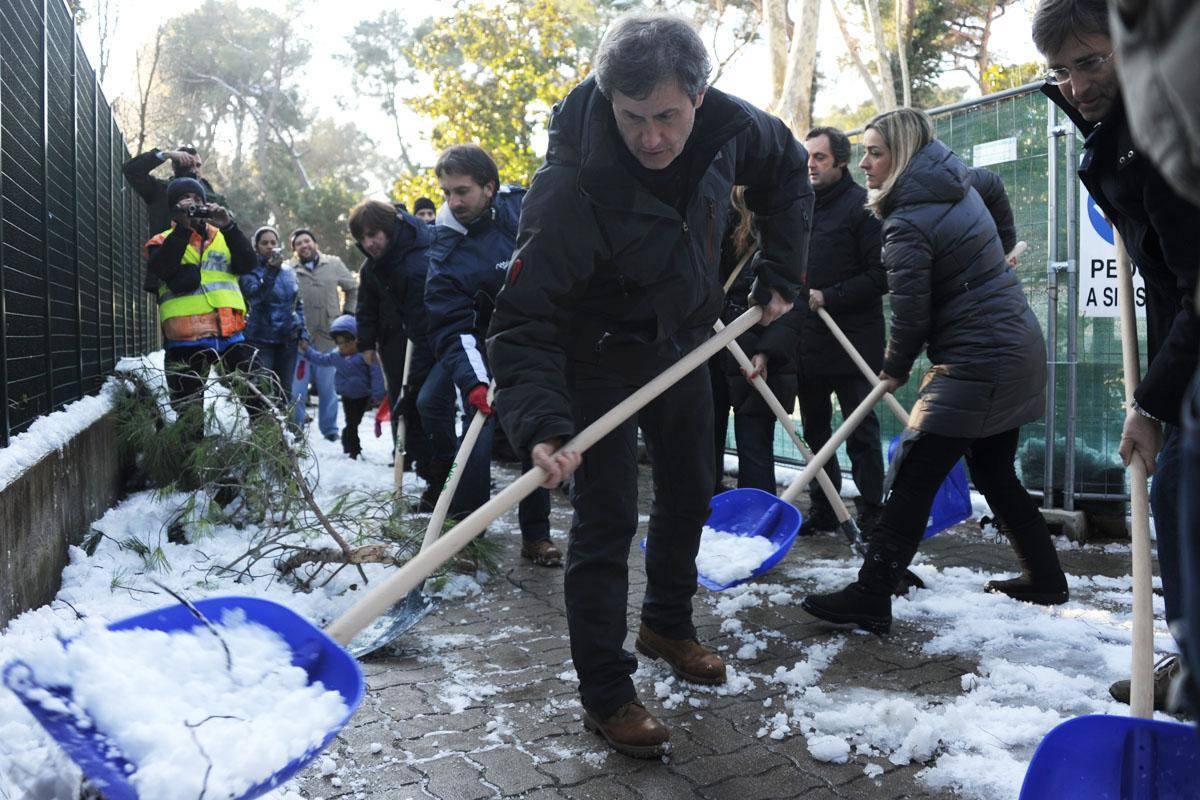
(71, 228)
(1017, 135)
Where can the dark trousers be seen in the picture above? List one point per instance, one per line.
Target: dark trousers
(677, 427)
(475, 487)
(391, 358)
(278, 363)
(990, 461)
(863, 446)
(1166, 489)
(436, 402)
(187, 370)
(756, 451)
(722, 405)
(353, 408)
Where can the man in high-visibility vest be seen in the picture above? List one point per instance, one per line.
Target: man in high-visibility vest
(200, 306)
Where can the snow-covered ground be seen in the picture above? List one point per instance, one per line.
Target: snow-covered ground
(1037, 666)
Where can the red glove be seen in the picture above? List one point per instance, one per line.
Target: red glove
(478, 398)
(382, 414)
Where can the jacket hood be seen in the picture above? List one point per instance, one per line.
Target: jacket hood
(580, 136)
(935, 175)
(344, 324)
(407, 232)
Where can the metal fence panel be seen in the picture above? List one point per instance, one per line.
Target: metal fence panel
(70, 227)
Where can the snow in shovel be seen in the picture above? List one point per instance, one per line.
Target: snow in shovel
(199, 715)
(726, 557)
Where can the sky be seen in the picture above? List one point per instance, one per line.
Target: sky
(327, 81)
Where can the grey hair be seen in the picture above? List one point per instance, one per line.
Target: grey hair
(642, 49)
(1057, 20)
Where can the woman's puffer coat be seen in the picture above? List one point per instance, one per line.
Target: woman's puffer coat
(952, 293)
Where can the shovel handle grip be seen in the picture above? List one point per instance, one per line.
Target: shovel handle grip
(1018, 249)
(816, 463)
(442, 507)
(422, 565)
(1141, 674)
(831, 494)
(861, 363)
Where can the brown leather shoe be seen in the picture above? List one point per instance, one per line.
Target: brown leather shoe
(689, 660)
(632, 730)
(542, 552)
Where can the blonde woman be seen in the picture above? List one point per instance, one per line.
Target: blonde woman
(952, 295)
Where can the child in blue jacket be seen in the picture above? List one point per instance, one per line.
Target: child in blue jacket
(360, 384)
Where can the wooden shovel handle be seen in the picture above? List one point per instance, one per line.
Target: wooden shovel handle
(442, 507)
(1018, 250)
(857, 358)
(831, 494)
(816, 463)
(399, 447)
(422, 565)
(1141, 678)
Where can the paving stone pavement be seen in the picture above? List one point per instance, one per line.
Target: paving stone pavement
(479, 700)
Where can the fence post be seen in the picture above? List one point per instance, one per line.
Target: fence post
(4, 426)
(79, 391)
(1051, 296)
(49, 406)
(1072, 267)
(112, 238)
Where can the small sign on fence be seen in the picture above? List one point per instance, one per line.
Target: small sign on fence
(1098, 264)
(994, 152)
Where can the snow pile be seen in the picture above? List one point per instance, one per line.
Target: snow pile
(726, 557)
(191, 714)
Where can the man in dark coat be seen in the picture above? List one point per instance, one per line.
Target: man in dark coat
(391, 310)
(613, 280)
(991, 188)
(1161, 232)
(846, 278)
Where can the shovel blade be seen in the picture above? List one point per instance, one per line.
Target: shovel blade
(1104, 757)
(951, 504)
(392, 625)
(102, 762)
(753, 512)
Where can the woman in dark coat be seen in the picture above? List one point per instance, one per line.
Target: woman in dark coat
(952, 293)
(275, 322)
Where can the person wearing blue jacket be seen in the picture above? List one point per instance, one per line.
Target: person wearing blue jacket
(476, 233)
(358, 382)
(275, 324)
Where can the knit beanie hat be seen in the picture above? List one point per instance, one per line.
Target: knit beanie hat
(346, 324)
(423, 203)
(258, 234)
(177, 188)
(299, 231)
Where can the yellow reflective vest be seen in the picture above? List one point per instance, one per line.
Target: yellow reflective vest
(218, 286)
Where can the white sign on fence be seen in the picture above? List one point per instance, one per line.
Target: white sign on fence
(995, 152)
(1098, 264)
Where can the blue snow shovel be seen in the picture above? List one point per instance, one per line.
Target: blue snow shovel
(952, 503)
(317, 651)
(101, 760)
(1106, 756)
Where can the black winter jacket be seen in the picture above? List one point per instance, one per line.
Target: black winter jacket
(1161, 232)
(844, 263)
(991, 188)
(953, 291)
(391, 289)
(778, 341)
(609, 281)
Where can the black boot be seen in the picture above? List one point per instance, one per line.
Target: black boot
(868, 517)
(867, 602)
(820, 519)
(1041, 580)
(437, 472)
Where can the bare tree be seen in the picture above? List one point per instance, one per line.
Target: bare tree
(794, 105)
(854, 48)
(107, 19)
(145, 72)
(904, 15)
(968, 37)
(778, 34)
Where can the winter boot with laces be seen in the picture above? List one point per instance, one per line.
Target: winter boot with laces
(867, 603)
(1041, 580)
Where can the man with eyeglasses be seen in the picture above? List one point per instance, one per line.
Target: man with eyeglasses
(1161, 232)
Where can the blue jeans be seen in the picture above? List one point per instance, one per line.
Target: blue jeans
(1164, 505)
(326, 392)
(436, 405)
(279, 361)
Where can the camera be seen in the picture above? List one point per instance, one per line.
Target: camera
(198, 211)
(276, 252)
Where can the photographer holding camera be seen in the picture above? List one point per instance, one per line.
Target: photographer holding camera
(200, 306)
(275, 318)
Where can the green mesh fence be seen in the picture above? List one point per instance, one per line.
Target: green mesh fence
(1098, 407)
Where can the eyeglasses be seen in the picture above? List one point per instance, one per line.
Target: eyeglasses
(1084, 66)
